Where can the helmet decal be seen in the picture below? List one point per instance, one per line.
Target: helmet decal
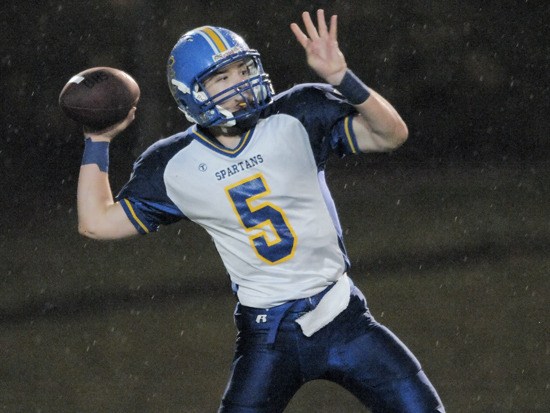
(227, 53)
(181, 86)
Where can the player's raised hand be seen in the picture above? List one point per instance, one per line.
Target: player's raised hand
(321, 46)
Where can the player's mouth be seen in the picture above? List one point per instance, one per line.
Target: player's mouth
(240, 106)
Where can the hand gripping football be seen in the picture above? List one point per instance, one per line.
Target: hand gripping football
(99, 97)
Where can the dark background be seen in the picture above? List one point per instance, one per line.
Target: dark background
(448, 235)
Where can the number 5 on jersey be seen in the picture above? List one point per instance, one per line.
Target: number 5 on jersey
(271, 235)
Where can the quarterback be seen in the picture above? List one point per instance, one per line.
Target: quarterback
(250, 171)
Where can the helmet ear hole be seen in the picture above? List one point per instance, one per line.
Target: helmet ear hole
(183, 108)
(188, 116)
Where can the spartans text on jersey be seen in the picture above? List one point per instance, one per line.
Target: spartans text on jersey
(239, 167)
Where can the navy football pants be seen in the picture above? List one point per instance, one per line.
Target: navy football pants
(273, 359)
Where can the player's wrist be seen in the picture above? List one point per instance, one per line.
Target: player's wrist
(353, 89)
(96, 138)
(336, 78)
(103, 135)
(96, 152)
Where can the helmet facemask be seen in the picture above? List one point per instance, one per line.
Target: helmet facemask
(253, 92)
(256, 92)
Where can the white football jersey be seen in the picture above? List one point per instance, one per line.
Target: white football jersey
(264, 203)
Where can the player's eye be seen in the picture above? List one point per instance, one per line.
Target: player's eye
(220, 78)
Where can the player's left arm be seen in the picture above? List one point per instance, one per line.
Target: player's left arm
(378, 127)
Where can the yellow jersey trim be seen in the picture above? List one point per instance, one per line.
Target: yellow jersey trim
(136, 219)
(349, 134)
(220, 148)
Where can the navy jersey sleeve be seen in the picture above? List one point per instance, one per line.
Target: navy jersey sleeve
(325, 114)
(144, 197)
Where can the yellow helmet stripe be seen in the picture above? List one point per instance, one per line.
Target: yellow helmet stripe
(214, 38)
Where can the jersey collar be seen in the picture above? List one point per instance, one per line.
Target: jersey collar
(203, 136)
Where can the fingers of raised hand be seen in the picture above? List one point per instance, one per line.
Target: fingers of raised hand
(333, 34)
(321, 23)
(313, 32)
(299, 34)
(310, 26)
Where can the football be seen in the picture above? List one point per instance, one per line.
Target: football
(99, 97)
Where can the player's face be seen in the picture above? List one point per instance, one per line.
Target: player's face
(226, 78)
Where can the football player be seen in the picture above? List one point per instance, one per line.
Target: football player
(250, 171)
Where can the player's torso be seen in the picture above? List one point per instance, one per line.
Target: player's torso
(264, 208)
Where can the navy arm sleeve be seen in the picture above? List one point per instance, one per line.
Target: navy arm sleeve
(325, 114)
(144, 197)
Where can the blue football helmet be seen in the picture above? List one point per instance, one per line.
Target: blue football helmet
(200, 53)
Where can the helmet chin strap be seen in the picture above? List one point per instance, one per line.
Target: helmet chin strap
(248, 122)
(228, 131)
(227, 115)
(238, 126)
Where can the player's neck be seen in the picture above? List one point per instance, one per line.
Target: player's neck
(230, 142)
(228, 137)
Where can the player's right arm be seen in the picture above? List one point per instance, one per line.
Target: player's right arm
(99, 216)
